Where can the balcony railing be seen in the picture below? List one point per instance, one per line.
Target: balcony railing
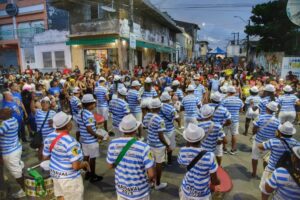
(96, 27)
(20, 33)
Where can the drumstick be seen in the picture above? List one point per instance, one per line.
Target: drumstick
(36, 166)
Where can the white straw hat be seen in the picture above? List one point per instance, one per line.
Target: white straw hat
(168, 89)
(223, 89)
(254, 89)
(273, 106)
(155, 103)
(231, 89)
(287, 128)
(88, 98)
(122, 91)
(76, 90)
(135, 83)
(60, 120)
(165, 96)
(216, 97)
(117, 78)
(190, 88)
(269, 88)
(287, 88)
(148, 80)
(175, 83)
(47, 99)
(206, 111)
(102, 79)
(193, 133)
(129, 124)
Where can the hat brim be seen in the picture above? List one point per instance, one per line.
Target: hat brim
(293, 133)
(272, 109)
(188, 139)
(94, 101)
(64, 124)
(131, 130)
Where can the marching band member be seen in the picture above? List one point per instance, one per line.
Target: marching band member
(199, 89)
(268, 96)
(190, 106)
(102, 95)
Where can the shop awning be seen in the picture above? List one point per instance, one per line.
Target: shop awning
(92, 41)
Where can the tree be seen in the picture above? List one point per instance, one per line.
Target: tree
(271, 23)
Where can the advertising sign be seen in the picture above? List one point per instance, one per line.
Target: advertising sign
(290, 64)
(132, 41)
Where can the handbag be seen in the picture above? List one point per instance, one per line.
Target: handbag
(37, 140)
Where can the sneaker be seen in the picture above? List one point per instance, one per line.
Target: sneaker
(95, 178)
(233, 152)
(225, 151)
(161, 186)
(87, 176)
(19, 194)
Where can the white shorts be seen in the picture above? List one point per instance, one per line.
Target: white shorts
(138, 116)
(188, 120)
(257, 153)
(182, 196)
(14, 164)
(117, 132)
(232, 129)
(250, 114)
(70, 189)
(219, 150)
(91, 150)
(172, 138)
(103, 111)
(143, 198)
(266, 176)
(159, 154)
(285, 116)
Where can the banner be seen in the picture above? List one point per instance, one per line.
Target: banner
(290, 64)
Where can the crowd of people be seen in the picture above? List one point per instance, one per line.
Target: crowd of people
(142, 113)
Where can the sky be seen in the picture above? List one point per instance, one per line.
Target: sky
(215, 17)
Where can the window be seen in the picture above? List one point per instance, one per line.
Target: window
(3, 1)
(47, 59)
(6, 32)
(29, 55)
(59, 59)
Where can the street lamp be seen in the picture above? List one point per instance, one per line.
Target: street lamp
(248, 40)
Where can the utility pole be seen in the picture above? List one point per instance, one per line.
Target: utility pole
(131, 56)
(248, 42)
(233, 38)
(238, 38)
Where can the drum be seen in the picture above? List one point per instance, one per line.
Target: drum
(219, 192)
(32, 191)
(99, 118)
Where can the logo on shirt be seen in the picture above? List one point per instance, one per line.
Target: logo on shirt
(90, 120)
(75, 151)
(150, 156)
(162, 124)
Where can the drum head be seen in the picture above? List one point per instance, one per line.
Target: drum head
(226, 182)
(99, 118)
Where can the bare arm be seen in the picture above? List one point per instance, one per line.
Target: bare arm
(151, 174)
(260, 147)
(93, 133)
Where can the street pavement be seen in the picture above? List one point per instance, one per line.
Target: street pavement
(238, 167)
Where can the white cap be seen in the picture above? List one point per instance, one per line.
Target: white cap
(155, 103)
(231, 89)
(206, 111)
(254, 89)
(269, 88)
(47, 99)
(102, 79)
(190, 88)
(61, 119)
(216, 97)
(193, 133)
(76, 90)
(287, 128)
(148, 80)
(129, 124)
(287, 88)
(273, 106)
(88, 98)
(165, 96)
(296, 151)
(117, 78)
(223, 89)
(168, 89)
(196, 77)
(135, 83)
(175, 83)
(122, 91)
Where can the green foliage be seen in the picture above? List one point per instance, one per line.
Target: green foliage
(271, 23)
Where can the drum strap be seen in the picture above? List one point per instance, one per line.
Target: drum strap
(195, 160)
(124, 151)
(57, 139)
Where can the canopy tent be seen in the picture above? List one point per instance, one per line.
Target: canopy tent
(217, 51)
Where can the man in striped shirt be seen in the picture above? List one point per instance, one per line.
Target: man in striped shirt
(277, 146)
(234, 105)
(264, 128)
(11, 149)
(136, 169)
(287, 103)
(119, 108)
(200, 90)
(102, 96)
(221, 115)
(190, 106)
(88, 136)
(156, 128)
(195, 184)
(283, 183)
(169, 114)
(268, 96)
(177, 91)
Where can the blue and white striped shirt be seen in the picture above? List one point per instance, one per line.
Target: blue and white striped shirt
(190, 105)
(40, 116)
(233, 105)
(221, 115)
(255, 99)
(131, 173)
(284, 185)
(199, 92)
(9, 139)
(66, 151)
(196, 182)
(154, 124)
(277, 148)
(287, 102)
(86, 118)
(263, 104)
(216, 134)
(101, 93)
(145, 94)
(267, 129)
(168, 113)
(179, 94)
(133, 99)
(75, 102)
(119, 109)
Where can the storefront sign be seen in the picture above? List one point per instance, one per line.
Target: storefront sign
(11, 9)
(290, 64)
(132, 41)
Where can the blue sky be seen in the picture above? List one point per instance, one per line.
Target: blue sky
(217, 23)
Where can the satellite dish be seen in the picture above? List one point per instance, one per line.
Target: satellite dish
(293, 11)
(108, 8)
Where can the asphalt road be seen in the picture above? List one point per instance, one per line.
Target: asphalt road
(238, 166)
